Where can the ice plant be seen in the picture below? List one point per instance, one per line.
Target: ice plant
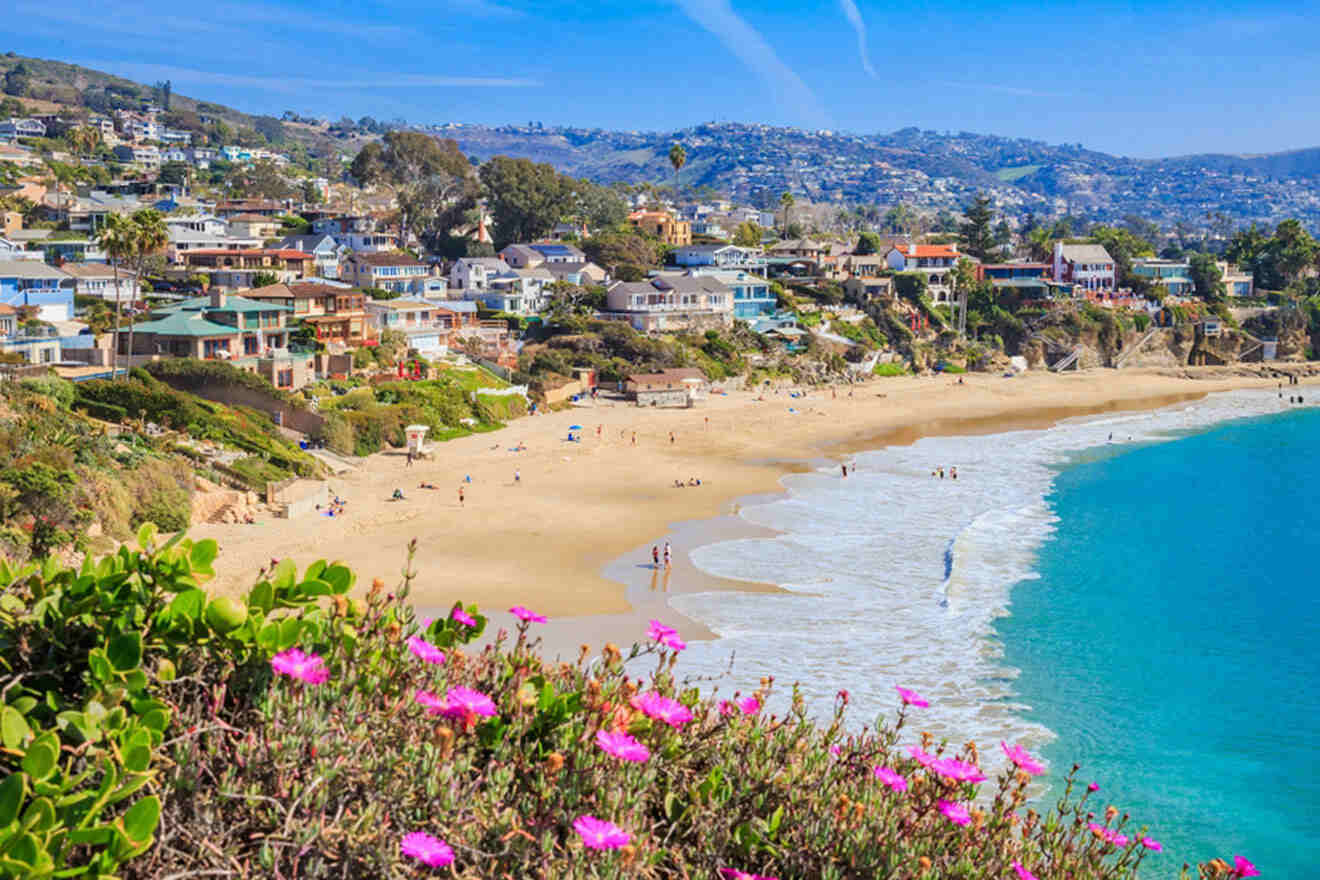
(958, 771)
(433, 704)
(955, 813)
(623, 746)
(526, 615)
(1093, 787)
(1108, 835)
(463, 702)
(599, 834)
(891, 778)
(425, 651)
(911, 698)
(1022, 759)
(735, 874)
(463, 617)
(921, 757)
(665, 635)
(1022, 872)
(304, 667)
(1152, 844)
(427, 849)
(1244, 868)
(661, 708)
(750, 705)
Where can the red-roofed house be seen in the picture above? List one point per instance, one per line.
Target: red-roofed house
(935, 261)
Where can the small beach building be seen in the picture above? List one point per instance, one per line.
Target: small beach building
(673, 388)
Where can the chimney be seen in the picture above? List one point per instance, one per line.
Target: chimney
(217, 299)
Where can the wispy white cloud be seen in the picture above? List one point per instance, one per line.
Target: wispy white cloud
(296, 85)
(1007, 90)
(854, 16)
(747, 44)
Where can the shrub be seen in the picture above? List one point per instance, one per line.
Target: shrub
(893, 368)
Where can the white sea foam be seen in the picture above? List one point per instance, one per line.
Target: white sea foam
(895, 576)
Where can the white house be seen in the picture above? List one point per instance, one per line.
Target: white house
(474, 273)
(671, 302)
(723, 256)
(935, 261)
(1089, 266)
(98, 280)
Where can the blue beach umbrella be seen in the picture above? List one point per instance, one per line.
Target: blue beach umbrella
(575, 427)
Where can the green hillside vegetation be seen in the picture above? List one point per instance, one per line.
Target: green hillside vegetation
(1009, 175)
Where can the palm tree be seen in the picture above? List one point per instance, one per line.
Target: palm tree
(149, 237)
(117, 237)
(786, 202)
(677, 158)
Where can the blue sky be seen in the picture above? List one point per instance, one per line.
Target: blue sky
(1137, 79)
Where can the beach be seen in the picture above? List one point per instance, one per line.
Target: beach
(571, 537)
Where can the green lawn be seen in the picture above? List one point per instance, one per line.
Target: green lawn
(1008, 175)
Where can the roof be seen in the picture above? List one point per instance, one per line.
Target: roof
(94, 270)
(927, 250)
(555, 249)
(184, 324)
(386, 260)
(570, 268)
(798, 244)
(400, 305)
(1085, 253)
(232, 304)
(251, 218)
(28, 269)
(457, 305)
(495, 263)
(282, 253)
(669, 376)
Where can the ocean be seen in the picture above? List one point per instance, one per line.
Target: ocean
(1127, 591)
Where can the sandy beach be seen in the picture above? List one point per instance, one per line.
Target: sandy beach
(571, 537)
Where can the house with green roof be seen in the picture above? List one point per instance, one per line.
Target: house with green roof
(212, 327)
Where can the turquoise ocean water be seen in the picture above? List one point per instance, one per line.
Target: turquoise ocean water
(1172, 638)
(1145, 607)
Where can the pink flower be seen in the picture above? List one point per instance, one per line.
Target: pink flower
(427, 849)
(1152, 844)
(750, 705)
(726, 708)
(462, 617)
(463, 702)
(661, 708)
(1244, 868)
(955, 813)
(891, 779)
(665, 635)
(1108, 834)
(621, 745)
(599, 834)
(958, 771)
(1022, 872)
(304, 667)
(911, 698)
(921, 757)
(526, 615)
(734, 874)
(1022, 759)
(1118, 839)
(426, 651)
(1094, 786)
(836, 751)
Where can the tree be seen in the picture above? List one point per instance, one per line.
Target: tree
(623, 254)
(1246, 248)
(18, 80)
(1291, 250)
(261, 179)
(117, 238)
(598, 206)
(265, 279)
(270, 128)
(1207, 278)
(899, 219)
(868, 243)
(1039, 245)
(432, 180)
(786, 201)
(149, 236)
(978, 237)
(526, 199)
(677, 158)
(1124, 247)
(46, 494)
(176, 173)
(160, 92)
(748, 234)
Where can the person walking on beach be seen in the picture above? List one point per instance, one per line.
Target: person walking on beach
(655, 556)
(666, 554)
(517, 476)
(460, 496)
(410, 458)
(634, 438)
(671, 438)
(844, 468)
(953, 472)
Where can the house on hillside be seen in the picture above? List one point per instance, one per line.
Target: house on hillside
(359, 233)
(752, 296)
(475, 273)
(935, 261)
(867, 289)
(1089, 266)
(336, 312)
(1237, 282)
(671, 302)
(212, 327)
(98, 280)
(1171, 277)
(396, 272)
(662, 225)
(47, 290)
(722, 256)
(1026, 280)
(249, 225)
(324, 249)
(233, 270)
(13, 128)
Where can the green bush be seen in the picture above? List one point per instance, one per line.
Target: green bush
(53, 387)
(893, 368)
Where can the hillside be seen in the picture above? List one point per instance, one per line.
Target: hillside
(933, 171)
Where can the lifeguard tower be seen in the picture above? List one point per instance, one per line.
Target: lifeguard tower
(416, 435)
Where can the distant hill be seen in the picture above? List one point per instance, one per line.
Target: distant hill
(928, 170)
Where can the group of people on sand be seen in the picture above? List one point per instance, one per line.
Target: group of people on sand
(334, 508)
(939, 471)
(692, 481)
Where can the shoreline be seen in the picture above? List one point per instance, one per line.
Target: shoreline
(569, 536)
